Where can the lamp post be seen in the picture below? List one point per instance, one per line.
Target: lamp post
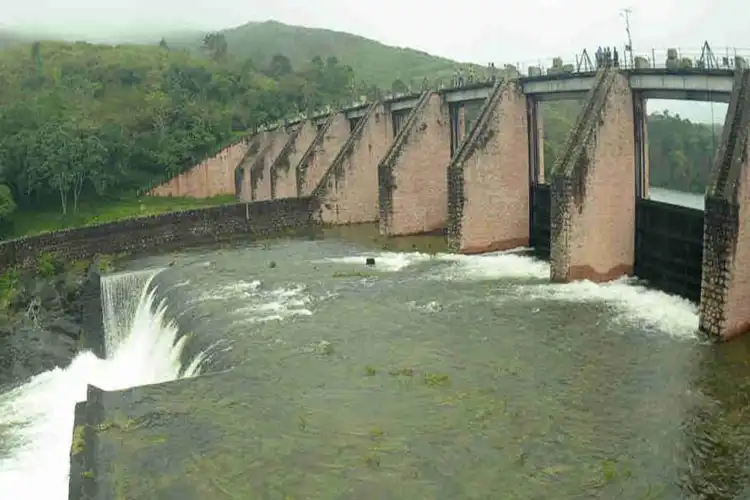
(629, 47)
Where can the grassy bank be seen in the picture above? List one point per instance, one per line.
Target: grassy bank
(26, 223)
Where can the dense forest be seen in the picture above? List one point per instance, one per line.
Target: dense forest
(681, 153)
(82, 120)
(91, 122)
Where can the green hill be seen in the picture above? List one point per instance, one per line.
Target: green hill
(372, 61)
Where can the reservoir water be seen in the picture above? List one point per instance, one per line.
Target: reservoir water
(428, 375)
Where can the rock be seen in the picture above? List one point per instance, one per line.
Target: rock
(27, 350)
(324, 347)
(64, 326)
(69, 286)
(46, 293)
(41, 329)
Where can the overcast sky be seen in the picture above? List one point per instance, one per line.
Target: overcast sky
(468, 30)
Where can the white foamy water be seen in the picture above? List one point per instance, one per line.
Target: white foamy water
(140, 349)
(251, 302)
(493, 266)
(632, 304)
(497, 265)
(384, 261)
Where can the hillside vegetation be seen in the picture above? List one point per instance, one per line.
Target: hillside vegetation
(372, 61)
(83, 122)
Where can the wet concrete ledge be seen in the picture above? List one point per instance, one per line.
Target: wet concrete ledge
(103, 465)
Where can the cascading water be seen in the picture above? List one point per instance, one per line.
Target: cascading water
(120, 304)
(36, 419)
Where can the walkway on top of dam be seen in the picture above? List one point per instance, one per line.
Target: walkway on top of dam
(698, 75)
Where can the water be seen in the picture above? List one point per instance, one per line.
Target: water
(142, 348)
(691, 200)
(428, 376)
(441, 376)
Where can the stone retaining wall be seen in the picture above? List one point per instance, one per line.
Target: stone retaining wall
(412, 179)
(348, 193)
(173, 230)
(488, 178)
(213, 177)
(284, 168)
(725, 290)
(592, 219)
(260, 172)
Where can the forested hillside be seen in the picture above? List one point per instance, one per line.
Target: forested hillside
(681, 153)
(86, 121)
(372, 61)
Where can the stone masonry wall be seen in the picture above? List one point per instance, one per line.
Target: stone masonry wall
(593, 188)
(174, 230)
(260, 172)
(284, 169)
(737, 310)
(212, 177)
(489, 177)
(258, 147)
(321, 153)
(412, 176)
(725, 289)
(646, 165)
(348, 194)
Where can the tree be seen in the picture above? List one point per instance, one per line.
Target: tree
(7, 204)
(216, 45)
(163, 44)
(279, 66)
(399, 87)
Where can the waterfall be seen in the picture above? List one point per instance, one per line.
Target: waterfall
(120, 303)
(142, 346)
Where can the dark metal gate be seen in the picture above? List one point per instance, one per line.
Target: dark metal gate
(454, 111)
(540, 220)
(399, 118)
(463, 115)
(669, 247)
(353, 122)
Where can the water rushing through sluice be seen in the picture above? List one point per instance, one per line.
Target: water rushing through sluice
(142, 347)
(569, 388)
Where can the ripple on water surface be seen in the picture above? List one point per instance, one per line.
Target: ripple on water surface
(441, 376)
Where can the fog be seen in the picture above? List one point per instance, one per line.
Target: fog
(471, 30)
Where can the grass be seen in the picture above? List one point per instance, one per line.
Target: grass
(27, 223)
(78, 443)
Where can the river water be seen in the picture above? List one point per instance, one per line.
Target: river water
(439, 376)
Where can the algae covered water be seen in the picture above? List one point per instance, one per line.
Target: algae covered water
(428, 375)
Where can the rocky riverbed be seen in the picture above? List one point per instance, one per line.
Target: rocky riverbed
(42, 311)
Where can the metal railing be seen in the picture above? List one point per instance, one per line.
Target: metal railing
(704, 59)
